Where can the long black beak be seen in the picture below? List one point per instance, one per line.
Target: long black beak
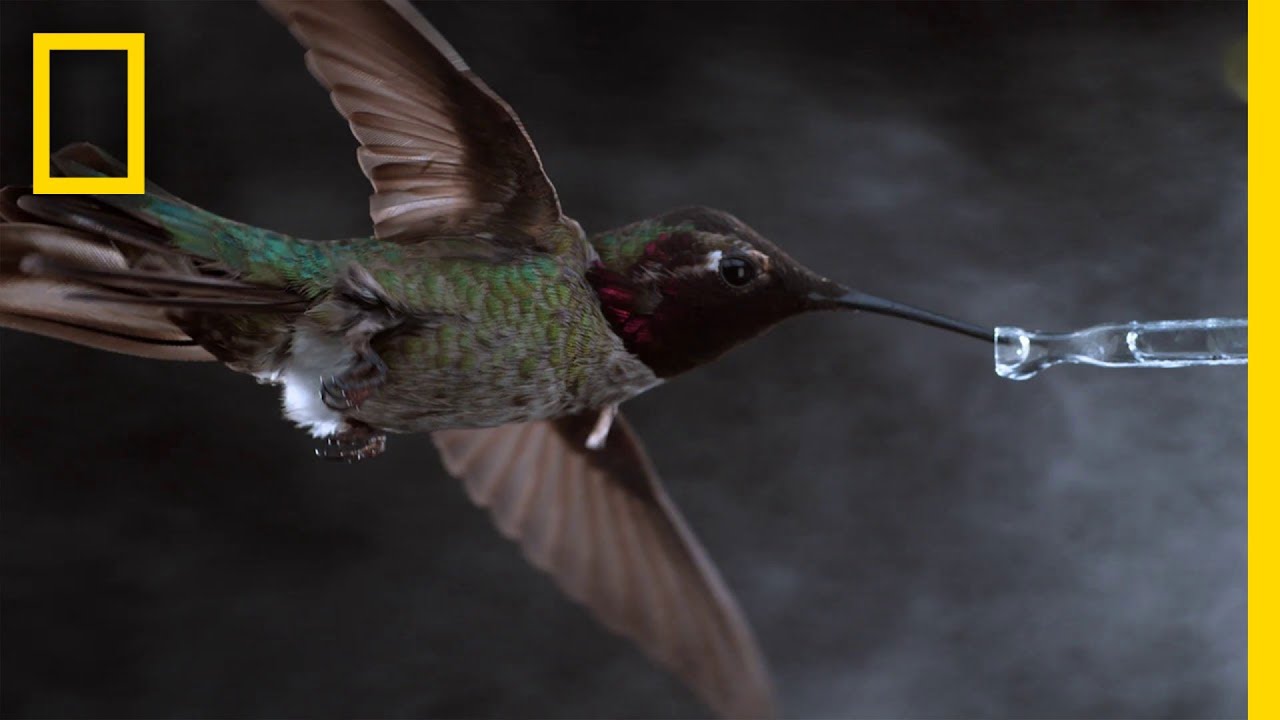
(841, 298)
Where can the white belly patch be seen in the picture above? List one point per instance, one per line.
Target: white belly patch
(312, 359)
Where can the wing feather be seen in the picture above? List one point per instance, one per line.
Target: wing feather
(601, 525)
(445, 155)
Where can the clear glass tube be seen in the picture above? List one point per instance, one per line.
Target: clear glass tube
(1021, 354)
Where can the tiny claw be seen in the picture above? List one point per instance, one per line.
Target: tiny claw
(353, 444)
(331, 396)
(339, 394)
(355, 385)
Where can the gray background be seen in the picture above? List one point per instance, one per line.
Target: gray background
(910, 535)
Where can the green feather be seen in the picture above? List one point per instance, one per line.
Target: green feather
(621, 248)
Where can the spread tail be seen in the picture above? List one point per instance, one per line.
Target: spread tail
(135, 274)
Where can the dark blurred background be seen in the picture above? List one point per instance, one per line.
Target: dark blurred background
(910, 535)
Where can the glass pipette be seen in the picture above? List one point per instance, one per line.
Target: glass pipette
(1021, 354)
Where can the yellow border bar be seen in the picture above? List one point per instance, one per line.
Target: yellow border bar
(1263, 470)
(42, 44)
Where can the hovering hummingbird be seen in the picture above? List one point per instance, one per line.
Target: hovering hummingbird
(477, 312)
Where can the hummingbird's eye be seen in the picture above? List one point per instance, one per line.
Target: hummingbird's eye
(737, 271)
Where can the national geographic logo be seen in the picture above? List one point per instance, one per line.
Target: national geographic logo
(42, 44)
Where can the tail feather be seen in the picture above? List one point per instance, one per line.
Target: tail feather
(102, 338)
(48, 306)
(9, 210)
(161, 287)
(95, 218)
(109, 273)
(60, 245)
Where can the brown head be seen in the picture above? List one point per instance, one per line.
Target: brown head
(685, 288)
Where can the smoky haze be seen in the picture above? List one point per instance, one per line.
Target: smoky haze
(910, 535)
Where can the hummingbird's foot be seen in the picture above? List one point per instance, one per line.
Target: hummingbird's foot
(349, 389)
(600, 432)
(356, 441)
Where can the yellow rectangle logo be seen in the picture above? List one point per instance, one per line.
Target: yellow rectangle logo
(42, 44)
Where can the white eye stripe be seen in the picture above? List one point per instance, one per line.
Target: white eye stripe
(759, 259)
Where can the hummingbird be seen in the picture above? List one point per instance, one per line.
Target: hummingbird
(477, 312)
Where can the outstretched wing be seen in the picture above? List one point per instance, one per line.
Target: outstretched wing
(601, 525)
(445, 154)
